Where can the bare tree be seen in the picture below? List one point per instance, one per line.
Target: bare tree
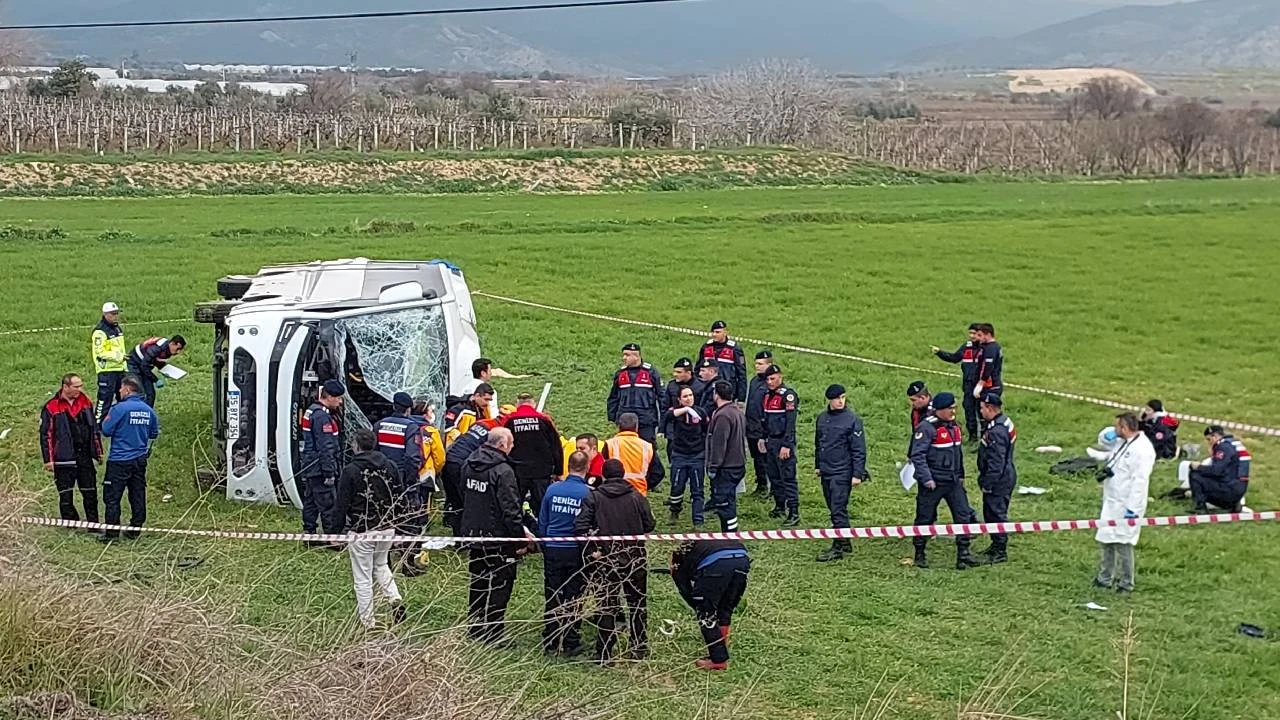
(782, 101)
(1183, 128)
(327, 92)
(1127, 139)
(1090, 141)
(1238, 133)
(1104, 98)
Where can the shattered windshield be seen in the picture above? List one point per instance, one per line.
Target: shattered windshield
(398, 351)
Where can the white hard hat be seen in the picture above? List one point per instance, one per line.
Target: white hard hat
(110, 307)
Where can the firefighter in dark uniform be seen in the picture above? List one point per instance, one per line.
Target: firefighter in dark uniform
(939, 466)
(780, 408)
(321, 458)
(967, 357)
(990, 363)
(729, 359)
(636, 390)
(997, 474)
(755, 422)
(400, 441)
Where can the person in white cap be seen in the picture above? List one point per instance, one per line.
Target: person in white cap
(108, 358)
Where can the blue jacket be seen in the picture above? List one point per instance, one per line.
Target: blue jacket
(560, 508)
(400, 440)
(132, 425)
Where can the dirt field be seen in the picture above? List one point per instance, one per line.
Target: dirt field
(580, 174)
(1068, 79)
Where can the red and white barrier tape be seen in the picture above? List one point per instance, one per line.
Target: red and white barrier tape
(859, 533)
(37, 331)
(1228, 424)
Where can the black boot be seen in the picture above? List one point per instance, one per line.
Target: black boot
(835, 552)
(793, 519)
(777, 512)
(965, 559)
(922, 560)
(993, 556)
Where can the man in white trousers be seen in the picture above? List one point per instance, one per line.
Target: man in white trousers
(370, 501)
(1125, 479)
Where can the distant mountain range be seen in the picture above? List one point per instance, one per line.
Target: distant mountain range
(1185, 36)
(700, 36)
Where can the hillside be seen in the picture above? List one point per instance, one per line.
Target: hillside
(1188, 36)
(685, 37)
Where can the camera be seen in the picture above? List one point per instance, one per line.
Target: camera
(1105, 473)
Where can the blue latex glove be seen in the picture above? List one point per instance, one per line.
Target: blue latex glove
(1130, 515)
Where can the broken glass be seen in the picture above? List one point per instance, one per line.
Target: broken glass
(397, 351)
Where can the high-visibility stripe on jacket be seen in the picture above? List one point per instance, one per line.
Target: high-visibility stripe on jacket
(108, 348)
(432, 453)
(635, 454)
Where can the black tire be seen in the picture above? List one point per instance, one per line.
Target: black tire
(233, 287)
(214, 313)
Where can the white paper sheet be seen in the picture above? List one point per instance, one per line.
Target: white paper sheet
(173, 372)
(908, 476)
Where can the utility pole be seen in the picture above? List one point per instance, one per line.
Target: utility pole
(351, 68)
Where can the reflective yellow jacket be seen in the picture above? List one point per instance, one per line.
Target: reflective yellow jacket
(108, 348)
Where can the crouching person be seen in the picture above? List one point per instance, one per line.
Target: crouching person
(371, 498)
(711, 576)
(1222, 479)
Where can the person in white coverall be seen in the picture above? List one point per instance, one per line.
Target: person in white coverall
(1125, 478)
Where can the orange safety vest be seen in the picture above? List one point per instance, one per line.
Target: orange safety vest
(635, 454)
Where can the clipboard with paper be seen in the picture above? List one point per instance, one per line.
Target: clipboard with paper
(173, 372)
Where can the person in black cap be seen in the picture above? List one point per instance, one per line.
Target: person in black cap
(705, 391)
(781, 405)
(726, 354)
(1223, 477)
(755, 422)
(400, 440)
(966, 356)
(939, 466)
(636, 389)
(321, 458)
(681, 378)
(997, 474)
(921, 403)
(840, 457)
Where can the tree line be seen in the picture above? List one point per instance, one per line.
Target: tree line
(1107, 127)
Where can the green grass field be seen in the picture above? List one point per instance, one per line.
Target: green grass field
(1123, 291)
